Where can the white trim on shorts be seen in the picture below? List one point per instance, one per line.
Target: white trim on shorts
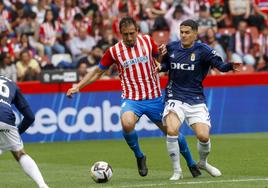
(10, 139)
(190, 113)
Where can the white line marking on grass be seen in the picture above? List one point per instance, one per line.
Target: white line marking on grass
(196, 182)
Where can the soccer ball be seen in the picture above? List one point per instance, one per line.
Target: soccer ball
(101, 172)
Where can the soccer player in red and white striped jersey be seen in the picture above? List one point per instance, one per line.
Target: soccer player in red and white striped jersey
(141, 95)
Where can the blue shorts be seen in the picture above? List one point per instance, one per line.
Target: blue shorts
(152, 108)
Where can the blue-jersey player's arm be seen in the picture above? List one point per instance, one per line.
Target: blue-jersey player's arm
(216, 61)
(23, 107)
(165, 65)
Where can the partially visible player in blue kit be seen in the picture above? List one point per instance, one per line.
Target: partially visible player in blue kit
(10, 139)
(188, 63)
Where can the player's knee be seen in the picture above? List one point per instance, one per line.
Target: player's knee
(172, 131)
(127, 125)
(203, 138)
(17, 154)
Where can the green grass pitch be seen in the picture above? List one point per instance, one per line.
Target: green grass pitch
(242, 158)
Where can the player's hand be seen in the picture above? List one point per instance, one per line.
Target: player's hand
(157, 68)
(236, 66)
(162, 49)
(72, 91)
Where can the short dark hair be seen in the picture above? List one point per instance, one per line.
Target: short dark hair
(191, 23)
(203, 8)
(127, 21)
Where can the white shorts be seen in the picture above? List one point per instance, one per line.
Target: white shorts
(10, 139)
(190, 113)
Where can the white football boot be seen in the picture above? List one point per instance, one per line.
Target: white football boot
(213, 171)
(176, 176)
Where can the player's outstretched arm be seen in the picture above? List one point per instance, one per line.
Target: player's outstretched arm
(91, 77)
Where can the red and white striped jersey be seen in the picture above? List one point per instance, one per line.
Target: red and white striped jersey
(136, 66)
(48, 33)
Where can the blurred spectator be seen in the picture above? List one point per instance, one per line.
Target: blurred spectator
(55, 6)
(241, 45)
(81, 45)
(107, 40)
(6, 45)
(67, 12)
(130, 6)
(24, 44)
(5, 18)
(94, 57)
(72, 28)
(263, 43)
(192, 7)
(27, 68)
(261, 6)
(18, 15)
(40, 10)
(31, 27)
(257, 17)
(174, 17)
(30, 5)
(50, 33)
(158, 8)
(7, 67)
(82, 69)
(205, 21)
(91, 8)
(239, 10)
(218, 12)
(211, 40)
(97, 27)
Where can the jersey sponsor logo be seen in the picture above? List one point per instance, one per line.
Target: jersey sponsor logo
(130, 62)
(182, 66)
(193, 57)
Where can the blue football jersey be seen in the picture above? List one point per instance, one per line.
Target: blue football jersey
(10, 94)
(188, 68)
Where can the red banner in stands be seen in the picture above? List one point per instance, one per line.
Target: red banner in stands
(229, 80)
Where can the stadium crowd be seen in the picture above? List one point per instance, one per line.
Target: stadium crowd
(41, 35)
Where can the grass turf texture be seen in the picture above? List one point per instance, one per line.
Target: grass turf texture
(242, 158)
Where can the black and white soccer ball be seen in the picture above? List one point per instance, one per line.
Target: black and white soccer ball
(101, 172)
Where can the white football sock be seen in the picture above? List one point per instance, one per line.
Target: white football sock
(32, 170)
(203, 150)
(174, 152)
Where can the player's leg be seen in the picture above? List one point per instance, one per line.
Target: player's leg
(186, 153)
(10, 140)
(154, 114)
(129, 117)
(172, 118)
(198, 117)
(204, 148)
(172, 122)
(29, 167)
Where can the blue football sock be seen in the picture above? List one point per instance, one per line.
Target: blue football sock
(185, 151)
(132, 140)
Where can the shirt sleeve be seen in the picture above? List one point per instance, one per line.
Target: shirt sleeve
(106, 61)
(24, 108)
(216, 61)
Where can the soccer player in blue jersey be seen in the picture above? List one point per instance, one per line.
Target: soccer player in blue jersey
(188, 63)
(141, 93)
(10, 139)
